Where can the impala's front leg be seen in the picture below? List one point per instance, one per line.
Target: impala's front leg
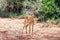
(26, 28)
(32, 29)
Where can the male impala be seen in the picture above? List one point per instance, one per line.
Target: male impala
(29, 21)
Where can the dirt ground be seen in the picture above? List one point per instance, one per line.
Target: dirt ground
(11, 29)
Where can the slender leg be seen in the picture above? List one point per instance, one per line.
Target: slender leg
(23, 27)
(22, 30)
(26, 30)
(29, 29)
(32, 29)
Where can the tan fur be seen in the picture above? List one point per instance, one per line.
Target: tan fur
(29, 22)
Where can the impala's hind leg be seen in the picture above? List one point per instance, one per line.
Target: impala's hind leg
(29, 29)
(26, 30)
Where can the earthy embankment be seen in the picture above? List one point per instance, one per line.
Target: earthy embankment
(12, 30)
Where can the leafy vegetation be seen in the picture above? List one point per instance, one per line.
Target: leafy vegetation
(44, 9)
(50, 9)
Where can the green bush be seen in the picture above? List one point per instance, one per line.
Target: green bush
(9, 14)
(50, 11)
